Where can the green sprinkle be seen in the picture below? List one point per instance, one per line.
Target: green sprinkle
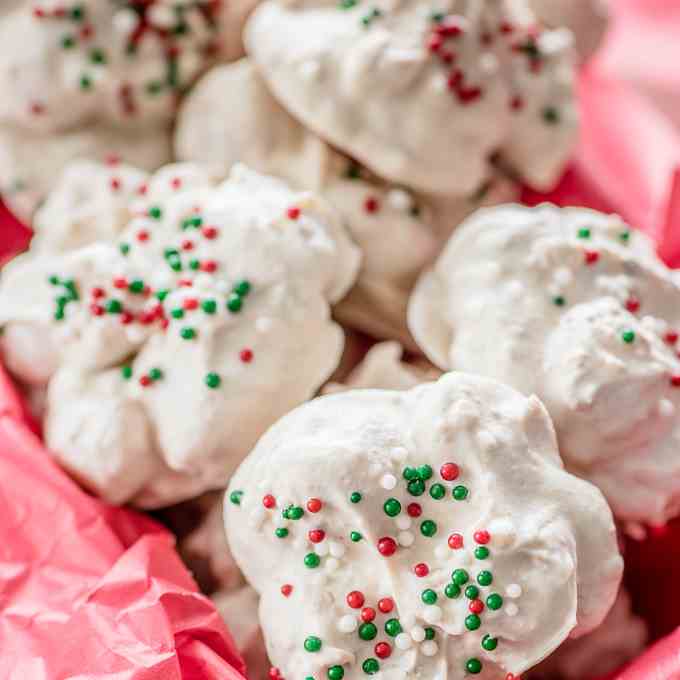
(348, 4)
(429, 633)
(437, 491)
(392, 507)
(281, 532)
(85, 83)
(155, 374)
(187, 333)
(136, 286)
(126, 372)
(124, 248)
(416, 487)
(234, 303)
(428, 596)
(410, 473)
(209, 306)
(494, 601)
(628, 336)
(155, 212)
(472, 592)
(425, 472)
(583, 233)
(312, 560)
(114, 307)
(355, 497)
(489, 643)
(370, 666)
(336, 673)
(154, 87)
(355, 537)
(54, 280)
(235, 497)
(551, 115)
(393, 627)
(194, 265)
(177, 313)
(295, 512)
(162, 294)
(452, 591)
(624, 236)
(473, 666)
(481, 552)
(67, 42)
(460, 577)
(313, 644)
(97, 56)
(559, 301)
(367, 631)
(428, 528)
(460, 493)
(242, 288)
(485, 578)
(212, 380)
(472, 622)
(437, 17)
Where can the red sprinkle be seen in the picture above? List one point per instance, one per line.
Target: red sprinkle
(269, 501)
(482, 536)
(317, 535)
(209, 232)
(414, 510)
(383, 650)
(126, 318)
(449, 472)
(246, 355)
(145, 381)
(176, 183)
(120, 282)
(421, 570)
(190, 303)
(371, 205)
(516, 103)
(450, 27)
(671, 337)
(97, 310)
(387, 546)
(293, 213)
(98, 292)
(314, 505)
(286, 590)
(456, 541)
(355, 599)
(187, 245)
(591, 256)
(632, 305)
(476, 606)
(115, 184)
(143, 235)
(675, 380)
(386, 605)
(209, 266)
(367, 614)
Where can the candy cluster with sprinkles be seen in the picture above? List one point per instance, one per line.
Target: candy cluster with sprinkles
(583, 314)
(201, 288)
(394, 561)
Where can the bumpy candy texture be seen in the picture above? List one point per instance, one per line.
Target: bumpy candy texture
(575, 307)
(419, 533)
(423, 93)
(171, 347)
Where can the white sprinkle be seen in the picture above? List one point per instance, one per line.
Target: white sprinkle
(402, 641)
(223, 286)
(321, 549)
(511, 609)
(403, 522)
(332, 564)
(337, 549)
(429, 648)
(666, 408)
(399, 199)
(399, 452)
(563, 276)
(347, 624)
(388, 482)
(309, 69)
(488, 63)
(257, 516)
(406, 539)
(514, 590)
(263, 324)
(375, 469)
(442, 551)
(440, 83)
(433, 614)
(418, 633)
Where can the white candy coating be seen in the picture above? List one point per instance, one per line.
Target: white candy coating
(423, 95)
(177, 436)
(574, 307)
(555, 532)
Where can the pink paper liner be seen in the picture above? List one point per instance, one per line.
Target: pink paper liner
(89, 591)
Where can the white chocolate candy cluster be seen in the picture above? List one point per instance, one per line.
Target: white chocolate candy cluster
(423, 94)
(419, 533)
(171, 348)
(573, 306)
(231, 117)
(92, 78)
